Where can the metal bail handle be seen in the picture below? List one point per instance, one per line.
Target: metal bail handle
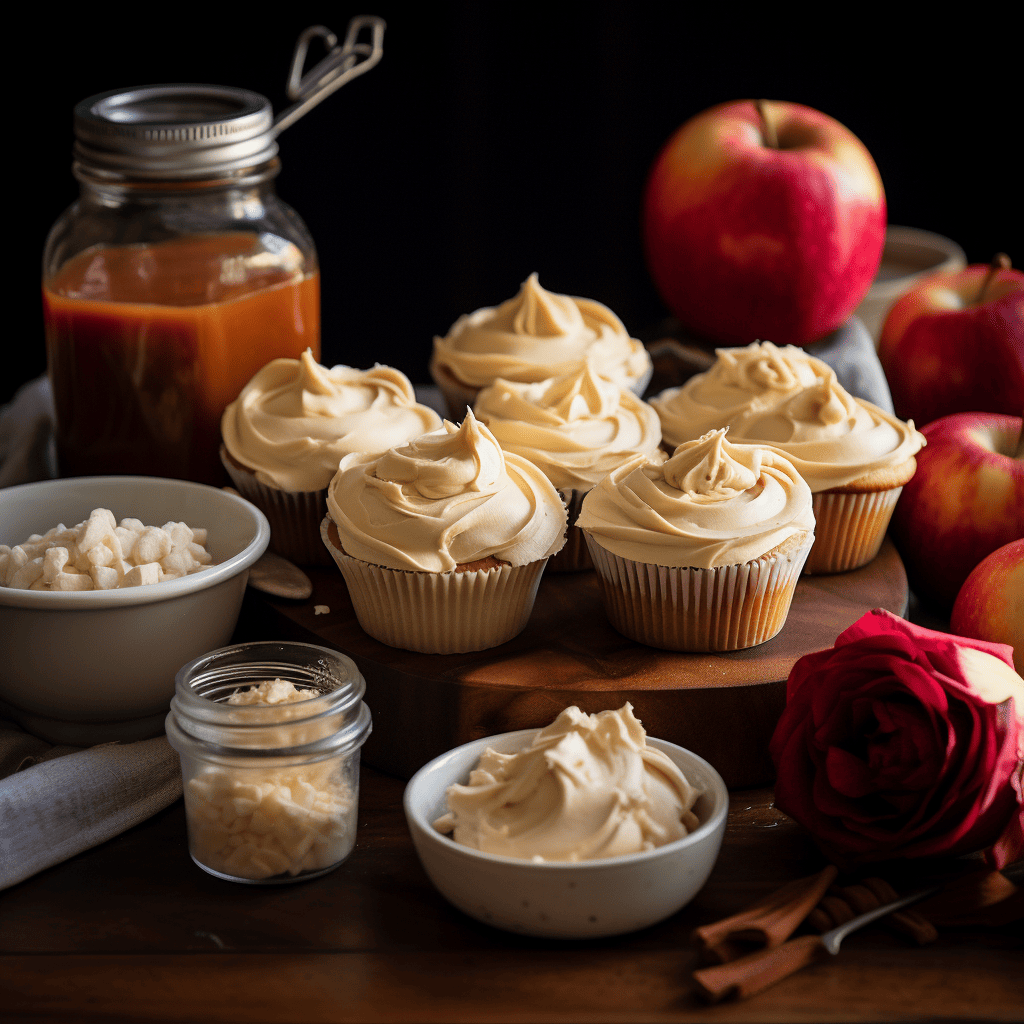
(341, 65)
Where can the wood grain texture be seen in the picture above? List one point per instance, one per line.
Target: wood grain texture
(532, 986)
(132, 931)
(722, 706)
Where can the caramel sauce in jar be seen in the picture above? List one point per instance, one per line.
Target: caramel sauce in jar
(148, 343)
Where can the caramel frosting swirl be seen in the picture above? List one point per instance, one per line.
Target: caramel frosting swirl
(575, 428)
(831, 437)
(756, 377)
(713, 503)
(446, 498)
(295, 419)
(538, 335)
(587, 787)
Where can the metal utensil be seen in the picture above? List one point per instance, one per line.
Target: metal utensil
(751, 974)
(362, 50)
(769, 921)
(831, 939)
(278, 577)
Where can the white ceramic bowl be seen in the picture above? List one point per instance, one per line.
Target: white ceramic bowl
(909, 255)
(558, 900)
(95, 666)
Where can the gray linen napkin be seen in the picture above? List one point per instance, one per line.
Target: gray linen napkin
(849, 350)
(56, 801)
(26, 435)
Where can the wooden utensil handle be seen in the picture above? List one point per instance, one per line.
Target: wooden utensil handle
(754, 973)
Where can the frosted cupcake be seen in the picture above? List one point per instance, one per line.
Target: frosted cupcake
(532, 337)
(292, 424)
(576, 429)
(703, 552)
(442, 540)
(854, 456)
(753, 378)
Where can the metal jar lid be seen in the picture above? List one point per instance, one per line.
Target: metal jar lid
(174, 131)
(181, 132)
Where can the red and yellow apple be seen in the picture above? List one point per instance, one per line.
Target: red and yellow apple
(965, 500)
(990, 605)
(764, 221)
(955, 343)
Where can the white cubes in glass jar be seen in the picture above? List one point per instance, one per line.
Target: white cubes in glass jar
(269, 735)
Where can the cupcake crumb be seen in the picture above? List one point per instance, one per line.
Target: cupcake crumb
(321, 609)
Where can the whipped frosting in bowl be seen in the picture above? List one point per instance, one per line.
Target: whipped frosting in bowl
(606, 808)
(752, 378)
(295, 420)
(587, 787)
(536, 335)
(712, 504)
(446, 498)
(576, 428)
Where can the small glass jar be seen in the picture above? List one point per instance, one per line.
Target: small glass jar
(271, 790)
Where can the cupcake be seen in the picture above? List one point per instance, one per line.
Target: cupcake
(442, 540)
(530, 338)
(290, 427)
(702, 552)
(854, 456)
(756, 377)
(576, 429)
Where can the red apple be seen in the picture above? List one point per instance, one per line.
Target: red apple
(990, 605)
(951, 345)
(769, 229)
(965, 500)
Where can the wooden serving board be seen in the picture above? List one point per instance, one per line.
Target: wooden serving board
(722, 706)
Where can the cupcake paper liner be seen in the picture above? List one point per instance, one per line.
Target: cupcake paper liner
(849, 529)
(294, 516)
(574, 556)
(438, 613)
(686, 609)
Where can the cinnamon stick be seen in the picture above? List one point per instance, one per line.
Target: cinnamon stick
(770, 921)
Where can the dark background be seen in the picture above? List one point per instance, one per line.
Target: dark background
(497, 139)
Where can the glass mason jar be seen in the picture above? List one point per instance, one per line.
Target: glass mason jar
(173, 278)
(271, 790)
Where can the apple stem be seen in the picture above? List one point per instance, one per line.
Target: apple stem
(771, 139)
(999, 262)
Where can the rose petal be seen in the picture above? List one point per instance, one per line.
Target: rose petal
(1010, 844)
(888, 747)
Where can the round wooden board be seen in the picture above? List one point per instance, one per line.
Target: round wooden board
(722, 706)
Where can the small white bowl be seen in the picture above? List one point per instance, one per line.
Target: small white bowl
(95, 666)
(560, 900)
(909, 255)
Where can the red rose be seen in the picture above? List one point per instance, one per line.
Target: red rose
(904, 742)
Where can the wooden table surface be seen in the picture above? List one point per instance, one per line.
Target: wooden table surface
(133, 931)
(722, 706)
